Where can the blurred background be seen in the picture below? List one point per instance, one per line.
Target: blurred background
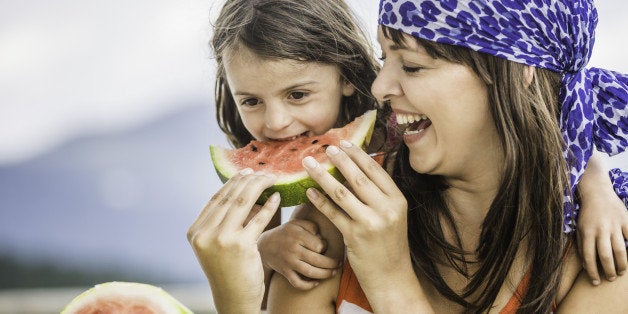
(106, 115)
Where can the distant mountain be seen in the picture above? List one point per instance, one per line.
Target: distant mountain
(121, 200)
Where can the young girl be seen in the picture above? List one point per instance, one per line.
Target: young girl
(286, 68)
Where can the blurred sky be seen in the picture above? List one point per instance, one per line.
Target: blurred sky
(71, 67)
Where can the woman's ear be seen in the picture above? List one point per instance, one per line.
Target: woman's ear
(528, 74)
(347, 88)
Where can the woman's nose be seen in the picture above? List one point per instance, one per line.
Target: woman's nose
(386, 85)
(277, 116)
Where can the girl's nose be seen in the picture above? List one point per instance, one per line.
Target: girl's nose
(386, 85)
(277, 116)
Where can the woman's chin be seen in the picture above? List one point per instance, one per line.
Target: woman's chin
(419, 167)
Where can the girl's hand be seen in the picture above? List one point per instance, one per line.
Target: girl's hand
(602, 228)
(226, 247)
(295, 250)
(373, 223)
(602, 224)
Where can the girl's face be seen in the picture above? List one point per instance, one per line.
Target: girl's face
(452, 133)
(279, 99)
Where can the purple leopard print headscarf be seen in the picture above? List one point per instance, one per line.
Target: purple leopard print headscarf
(553, 34)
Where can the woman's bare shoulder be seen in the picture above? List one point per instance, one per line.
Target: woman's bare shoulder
(577, 295)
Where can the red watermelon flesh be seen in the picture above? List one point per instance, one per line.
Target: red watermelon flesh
(283, 158)
(118, 297)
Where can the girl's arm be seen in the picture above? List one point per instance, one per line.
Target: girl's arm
(305, 250)
(602, 218)
(283, 297)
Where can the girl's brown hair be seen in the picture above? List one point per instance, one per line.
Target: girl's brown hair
(528, 209)
(322, 31)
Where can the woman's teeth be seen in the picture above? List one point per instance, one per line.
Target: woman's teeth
(405, 118)
(410, 123)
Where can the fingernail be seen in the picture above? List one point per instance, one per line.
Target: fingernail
(332, 150)
(344, 143)
(312, 193)
(333, 273)
(274, 198)
(612, 278)
(621, 273)
(246, 171)
(595, 282)
(310, 162)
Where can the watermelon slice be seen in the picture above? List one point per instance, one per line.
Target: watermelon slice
(124, 297)
(283, 158)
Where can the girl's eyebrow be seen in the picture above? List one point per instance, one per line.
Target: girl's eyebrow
(297, 85)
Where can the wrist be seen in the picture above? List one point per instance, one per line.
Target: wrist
(228, 301)
(397, 292)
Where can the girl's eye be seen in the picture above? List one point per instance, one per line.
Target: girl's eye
(297, 95)
(250, 102)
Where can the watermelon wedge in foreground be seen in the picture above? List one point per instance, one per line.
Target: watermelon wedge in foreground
(125, 297)
(283, 158)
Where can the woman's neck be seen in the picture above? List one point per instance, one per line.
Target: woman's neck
(469, 201)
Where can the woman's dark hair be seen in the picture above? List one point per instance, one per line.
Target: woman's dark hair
(322, 31)
(527, 212)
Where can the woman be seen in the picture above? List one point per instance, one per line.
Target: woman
(482, 188)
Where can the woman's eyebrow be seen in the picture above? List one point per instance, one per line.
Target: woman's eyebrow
(396, 47)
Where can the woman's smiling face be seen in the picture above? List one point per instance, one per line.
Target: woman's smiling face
(279, 99)
(443, 107)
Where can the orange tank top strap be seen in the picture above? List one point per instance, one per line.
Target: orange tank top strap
(515, 301)
(351, 299)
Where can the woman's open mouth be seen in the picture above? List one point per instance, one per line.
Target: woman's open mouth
(412, 123)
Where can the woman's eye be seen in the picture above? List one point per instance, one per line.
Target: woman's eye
(251, 102)
(409, 69)
(297, 95)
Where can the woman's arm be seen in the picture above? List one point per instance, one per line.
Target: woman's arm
(583, 297)
(372, 218)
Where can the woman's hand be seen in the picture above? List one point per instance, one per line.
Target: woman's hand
(373, 223)
(226, 248)
(295, 250)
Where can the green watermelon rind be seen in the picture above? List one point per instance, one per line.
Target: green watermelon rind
(292, 192)
(114, 287)
(292, 188)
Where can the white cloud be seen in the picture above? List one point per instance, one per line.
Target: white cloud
(70, 67)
